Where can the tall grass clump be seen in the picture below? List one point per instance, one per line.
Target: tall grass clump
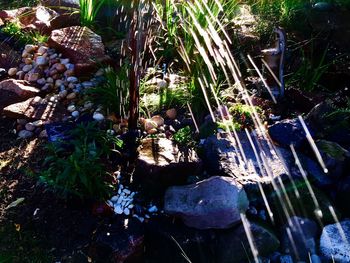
(89, 10)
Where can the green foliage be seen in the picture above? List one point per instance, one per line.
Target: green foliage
(184, 137)
(89, 10)
(310, 71)
(31, 37)
(80, 172)
(6, 4)
(242, 115)
(113, 94)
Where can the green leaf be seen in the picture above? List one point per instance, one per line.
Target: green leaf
(15, 203)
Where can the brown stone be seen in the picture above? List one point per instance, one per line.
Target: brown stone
(13, 91)
(36, 108)
(82, 46)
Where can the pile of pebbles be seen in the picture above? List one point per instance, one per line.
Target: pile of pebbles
(124, 203)
(54, 75)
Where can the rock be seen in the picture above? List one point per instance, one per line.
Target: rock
(149, 124)
(233, 246)
(24, 134)
(287, 132)
(213, 203)
(72, 79)
(286, 259)
(35, 108)
(43, 134)
(38, 123)
(336, 158)
(171, 113)
(30, 126)
(12, 72)
(13, 91)
(303, 232)
(342, 195)
(28, 61)
(61, 68)
(71, 96)
(41, 61)
(78, 43)
(33, 77)
(62, 6)
(41, 81)
(159, 165)
(30, 48)
(27, 68)
(222, 156)
(58, 83)
(158, 120)
(98, 116)
(3, 73)
(42, 50)
(332, 243)
(75, 114)
(315, 172)
(120, 241)
(71, 108)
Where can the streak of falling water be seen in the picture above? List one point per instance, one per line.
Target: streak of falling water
(249, 235)
(340, 228)
(313, 145)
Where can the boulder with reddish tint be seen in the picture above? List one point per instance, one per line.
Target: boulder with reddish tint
(81, 45)
(62, 6)
(36, 108)
(13, 91)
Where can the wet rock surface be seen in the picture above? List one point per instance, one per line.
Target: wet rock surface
(333, 244)
(213, 203)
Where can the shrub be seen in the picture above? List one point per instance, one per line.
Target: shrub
(80, 171)
(242, 115)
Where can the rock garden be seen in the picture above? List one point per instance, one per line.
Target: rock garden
(174, 131)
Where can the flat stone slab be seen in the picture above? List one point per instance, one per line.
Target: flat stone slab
(13, 91)
(36, 108)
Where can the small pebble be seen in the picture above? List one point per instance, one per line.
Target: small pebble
(24, 134)
(75, 114)
(153, 209)
(127, 211)
(98, 116)
(71, 108)
(27, 68)
(118, 210)
(72, 79)
(12, 72)
(30, 126)
(71, 96)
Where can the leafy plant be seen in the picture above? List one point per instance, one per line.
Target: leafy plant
(113, 93)
(242, 115)
(32, 37)
(184, 137)
(80, 171)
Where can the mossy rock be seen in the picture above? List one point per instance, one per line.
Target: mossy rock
(333, 150)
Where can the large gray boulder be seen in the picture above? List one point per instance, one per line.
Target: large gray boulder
(213, 203)
(334, 243)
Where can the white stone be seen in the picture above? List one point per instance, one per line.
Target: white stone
(153, 209)
(130, 206)
(64, 61)
(75, 114)
(127, 191)
(72, 79)
(98, 116)
(109, 203)
(114, 199)
(38, 123)
(127, 211)
(118, 209)
(71, 108)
